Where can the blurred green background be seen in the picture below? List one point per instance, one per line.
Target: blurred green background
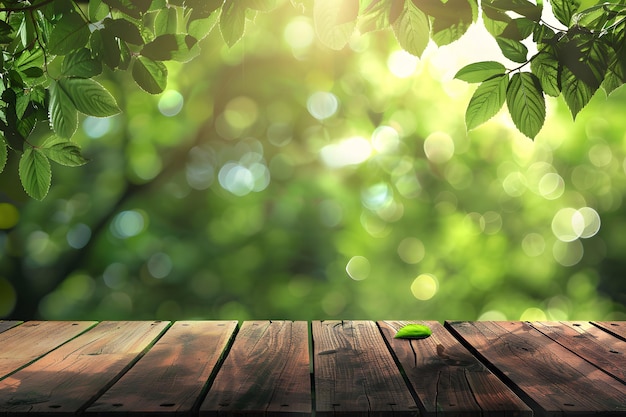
(278, 179)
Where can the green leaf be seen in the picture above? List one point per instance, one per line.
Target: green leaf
(546, 67)
(200, 28)
(512, 49)
(486, 101)
(35, 173)
(379, 15)
(451, 20)
(526, 103)
(232, 22)
(150, 75)
(587, 57)
(166, 21)
(4, 152)
(522, 7)
(179, 47)
(201, 9)
(125, 30)
(412, 29)
(81, 64)
(69, 33)
(89, 97)
(97, 10)
(62, 152)
(480, 71)
(519, 29)
(335, 21)
(576, 92)
(6, 32)
(564, 10)
(494, 20)
(62, 112)
(413, 331)
(133, 8)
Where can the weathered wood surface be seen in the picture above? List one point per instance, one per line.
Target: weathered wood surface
(23, 344)
(5, 325)
(68, 378)
(266, 372)
(552, 379)
(171, 376)
(339, 368)
(355, 373)
(447, 378)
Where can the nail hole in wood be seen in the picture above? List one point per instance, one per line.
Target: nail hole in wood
(118, 405)
(54, 406)
(167, 405)
(569, 404)
(614, 324)
(576, 324)
(613, 351)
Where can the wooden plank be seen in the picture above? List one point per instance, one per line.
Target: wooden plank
(23, 344)
(170, 378)
(70, 377)
(7, 324)
(355, 374)
(447, 378)
(618, 328)
(550, 378)
(591, 343)
(265, 373)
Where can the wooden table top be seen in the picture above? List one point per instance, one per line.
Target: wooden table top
(323, 368)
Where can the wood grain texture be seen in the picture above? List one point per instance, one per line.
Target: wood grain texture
(170, 378)
(447, 378)
(550, 378)
(618, 328)
(67, 379)
(355, 374)
(266, 373)
(27, 342)
(596, 346)
(7, 324)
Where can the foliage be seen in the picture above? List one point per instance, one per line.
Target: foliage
(274, 179)
(53, 49)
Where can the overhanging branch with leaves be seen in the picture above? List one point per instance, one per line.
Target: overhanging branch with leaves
(53, 50)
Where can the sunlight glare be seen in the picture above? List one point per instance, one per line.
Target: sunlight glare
(350, 151)
(402, 64)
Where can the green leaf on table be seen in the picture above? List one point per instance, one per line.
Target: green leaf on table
(413, 331)
(335, 21)
(486, 101)
(412, 29)
(35, 173)
(526, 103)
(232, 22)
(478, 72)
(564, 10)
(178, 47)
(4, 152)
(62, 112)
(69, 33)
(512, 49)
(150, 75)
(62, 151)
(80, 64)
(547, 68)
(89, 97)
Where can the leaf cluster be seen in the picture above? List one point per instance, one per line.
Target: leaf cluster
(52, 50)
(585, 55)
